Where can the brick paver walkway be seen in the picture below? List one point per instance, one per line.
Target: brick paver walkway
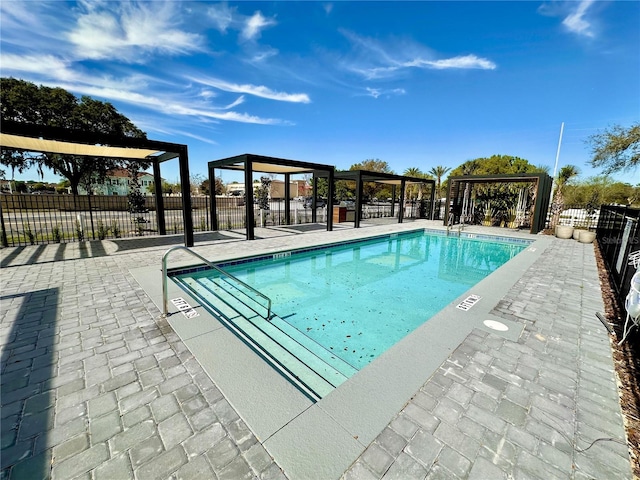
(96, 385)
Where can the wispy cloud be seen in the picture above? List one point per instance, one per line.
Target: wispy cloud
(578, 16)
(221, 15)
(576, 21)
(374, 59)
(377, 92)
(169, 106)
(250, 27)
(255, 90)
(255, 24)
(19, 64)
(129, 31)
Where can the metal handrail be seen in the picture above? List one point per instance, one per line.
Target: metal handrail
(218, 269)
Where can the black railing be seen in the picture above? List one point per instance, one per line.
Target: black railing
(37, 219)
(618, 237)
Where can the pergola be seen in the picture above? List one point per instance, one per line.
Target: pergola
(45, 139)
(362, 176)
(251, 163)
(542, 181)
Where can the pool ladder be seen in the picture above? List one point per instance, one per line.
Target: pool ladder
(460, 228)
(165, 310)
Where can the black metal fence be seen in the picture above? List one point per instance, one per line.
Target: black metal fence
(28, 219)
(618, 237)
(577, 216)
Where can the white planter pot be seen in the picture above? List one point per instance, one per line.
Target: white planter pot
(576, 234)
(564, 231)
(587, 236)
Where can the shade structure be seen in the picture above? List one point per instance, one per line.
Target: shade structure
(251, 163)
(362, 176)
(63, 141)
(542, 182)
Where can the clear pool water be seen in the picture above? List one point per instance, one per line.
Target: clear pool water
(358, 299)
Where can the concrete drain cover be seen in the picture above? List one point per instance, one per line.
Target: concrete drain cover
(493, 325)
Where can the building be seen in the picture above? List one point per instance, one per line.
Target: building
(117, 183)
(298, 188)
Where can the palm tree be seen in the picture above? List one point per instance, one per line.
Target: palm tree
(412, 172)
(439, 172)
(557, 205)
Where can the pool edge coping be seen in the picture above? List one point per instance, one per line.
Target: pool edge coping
(338, 435)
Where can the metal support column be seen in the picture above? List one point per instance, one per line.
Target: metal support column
(213, 214)
(330, 190)
(393, 200)
(157, 184)
(402, 190)
(287, 199)
(359, 190)
(186, 197)
(314, 198)
(248, 197)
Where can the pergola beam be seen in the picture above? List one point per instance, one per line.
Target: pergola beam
(47, 139)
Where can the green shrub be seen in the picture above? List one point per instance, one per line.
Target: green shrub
(30, 234)
(57, 233)
(115, 229)
(79, 231)
(102, 231)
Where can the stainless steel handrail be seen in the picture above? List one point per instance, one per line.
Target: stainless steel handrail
(218, 269)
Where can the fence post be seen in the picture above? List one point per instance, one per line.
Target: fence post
(5, 243)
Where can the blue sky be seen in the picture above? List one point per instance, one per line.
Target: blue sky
(416, 84)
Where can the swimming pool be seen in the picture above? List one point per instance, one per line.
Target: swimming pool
(337, 307)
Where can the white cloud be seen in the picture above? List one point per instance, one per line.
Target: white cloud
(51, 64)
(255, 24)
(373, 92)
(466, 61)
(376, 60)
(377, 92)
(256, 90)
(221, 15)
(576, 22)
(577, 16)
(129, 31)
(168, 106)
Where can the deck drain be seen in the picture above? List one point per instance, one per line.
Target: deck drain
(468, 302)
(493, 325)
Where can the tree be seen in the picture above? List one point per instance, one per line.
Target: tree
(370, 189)
(439, 172)
(24, 102)
(372, 165)
(219, 187)
(410, 189)
(616, 149)
(557, 205)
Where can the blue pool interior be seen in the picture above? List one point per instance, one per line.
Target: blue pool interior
(337, 307)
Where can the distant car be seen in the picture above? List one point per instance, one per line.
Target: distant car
(320, 203)
(350, 204)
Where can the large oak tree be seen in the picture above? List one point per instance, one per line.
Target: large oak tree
(25, 102)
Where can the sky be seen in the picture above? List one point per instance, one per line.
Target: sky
(414, 84)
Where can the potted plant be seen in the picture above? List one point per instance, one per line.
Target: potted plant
(564, 231)
(587, 236)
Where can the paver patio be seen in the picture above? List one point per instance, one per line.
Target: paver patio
(96, 385)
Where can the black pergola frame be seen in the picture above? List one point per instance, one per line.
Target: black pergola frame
(543, 193)
(171, 151)
(361, 176)
(251, 163)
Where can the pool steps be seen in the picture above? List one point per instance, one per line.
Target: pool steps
(318, 369)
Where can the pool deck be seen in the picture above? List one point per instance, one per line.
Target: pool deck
(95, 384)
